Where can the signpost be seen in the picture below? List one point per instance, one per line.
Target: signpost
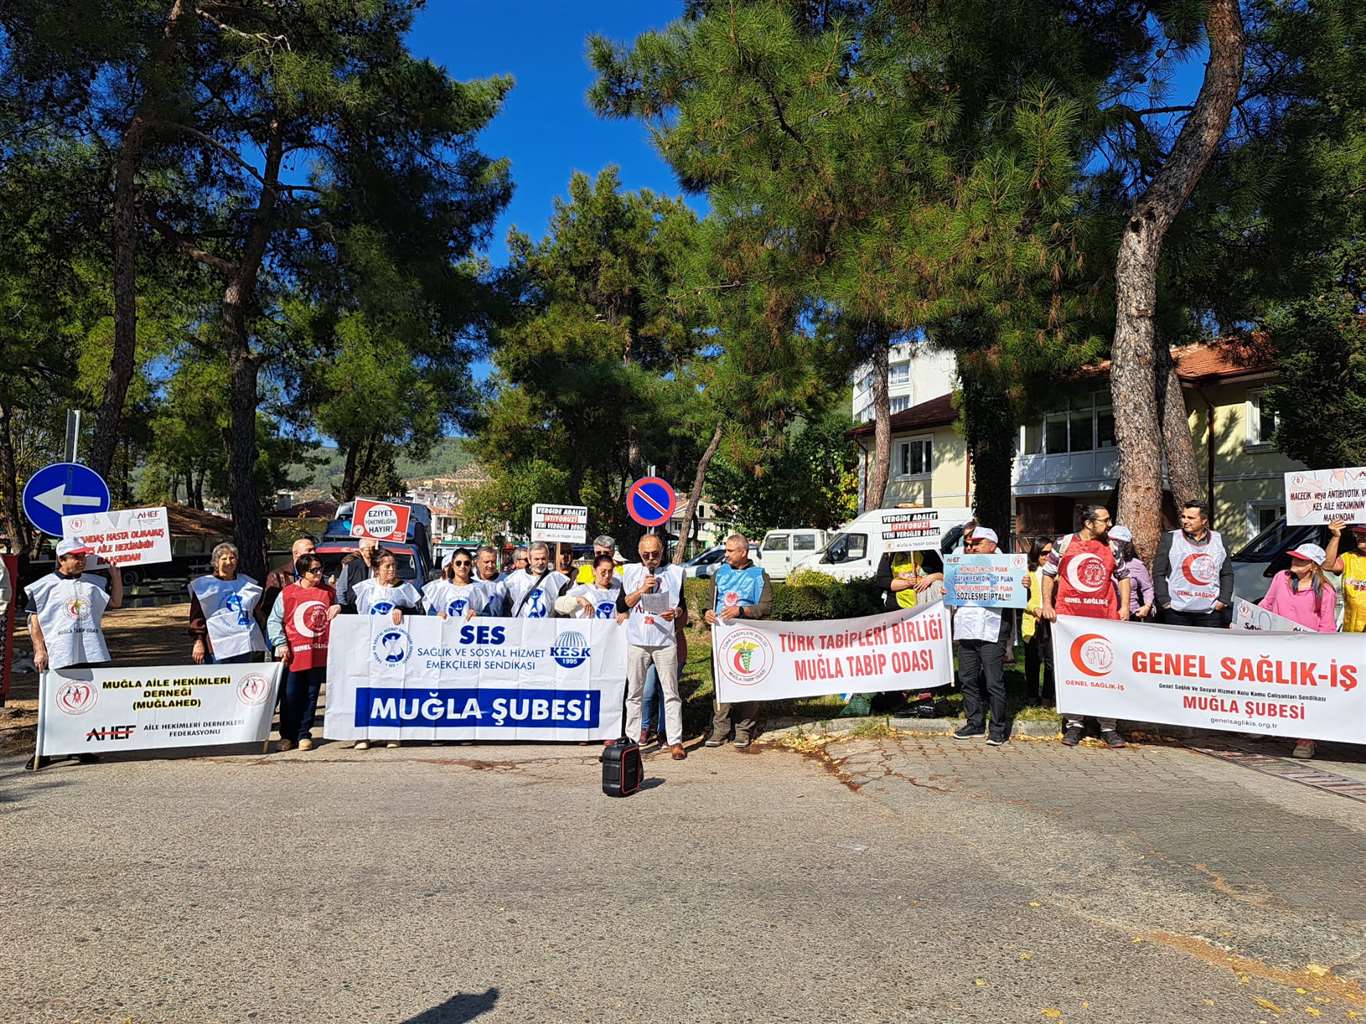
(63, 489)
(651, 501)
(382, 520)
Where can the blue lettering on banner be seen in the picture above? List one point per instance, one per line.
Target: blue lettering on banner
(397, 708)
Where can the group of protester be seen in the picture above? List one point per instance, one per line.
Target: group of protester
(1094, 572)
(1097, 573)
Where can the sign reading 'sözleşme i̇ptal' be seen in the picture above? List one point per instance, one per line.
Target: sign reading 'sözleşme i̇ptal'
(986, 581)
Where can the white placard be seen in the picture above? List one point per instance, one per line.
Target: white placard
(912, 529)
(1250, 618)
(1297, 685)
(484, 679)
(105, 710)
(126, 536)
(1316, 497)
(908, 649)
(559, 524)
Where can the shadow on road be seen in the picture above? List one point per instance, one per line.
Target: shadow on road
(460, 1007)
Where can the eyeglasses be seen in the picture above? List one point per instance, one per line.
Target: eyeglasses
(462, 564)
(314, 570)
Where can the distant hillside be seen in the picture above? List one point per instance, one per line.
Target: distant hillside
(446, 458)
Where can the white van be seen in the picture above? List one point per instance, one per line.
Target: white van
(855, 551)
(782, 549)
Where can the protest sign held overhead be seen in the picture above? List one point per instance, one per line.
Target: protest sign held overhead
(911, 529)
(382, 520)
(1317, 497)
(559, 524)
(126, 536)
(986, 581)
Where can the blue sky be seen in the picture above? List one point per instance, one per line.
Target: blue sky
(546, 128)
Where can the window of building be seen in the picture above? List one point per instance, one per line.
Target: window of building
(914, 457)
(899, 373)
(1263, 515)
(1086, 424)
(1261, 419)
(900, 403)
(1105, 428)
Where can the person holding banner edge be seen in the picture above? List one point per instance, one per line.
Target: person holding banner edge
(738, 590)
(222, 606)
(299, 627)
(981, 635)
(1192, 573)
(652, 598)
(1082, 577)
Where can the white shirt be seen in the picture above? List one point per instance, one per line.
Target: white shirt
(69, 613)
(455, 599)
(603, 600)
(644, 628)
(227, 606)
(539, 601)
(372, 598)
(971, 623)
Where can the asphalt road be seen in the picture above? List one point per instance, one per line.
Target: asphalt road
(908, 879)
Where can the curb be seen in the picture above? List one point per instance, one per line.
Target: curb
(944, 726)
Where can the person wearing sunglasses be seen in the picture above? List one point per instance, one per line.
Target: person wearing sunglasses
(455, 594)
(299, 627)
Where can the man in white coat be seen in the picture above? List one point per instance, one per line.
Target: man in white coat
(652, 596)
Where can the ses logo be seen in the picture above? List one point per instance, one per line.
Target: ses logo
(76, 698)
(746, 656)
(570, 649)
(392, 647)
(1092, 654)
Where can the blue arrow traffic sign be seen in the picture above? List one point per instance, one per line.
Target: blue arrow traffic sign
(650, 501)
(63, 489)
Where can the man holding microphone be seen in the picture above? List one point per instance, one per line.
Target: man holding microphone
(652, 599)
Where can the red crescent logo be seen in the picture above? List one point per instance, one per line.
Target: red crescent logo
(1091, 654)
(739, 666)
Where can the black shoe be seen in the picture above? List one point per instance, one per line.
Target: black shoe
(969, 732)
(998, 741)
(1072, 736)
(1113, 739)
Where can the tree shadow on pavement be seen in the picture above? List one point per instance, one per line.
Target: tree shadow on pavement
(460, 1007)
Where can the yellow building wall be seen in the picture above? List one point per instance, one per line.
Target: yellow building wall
(947, 486)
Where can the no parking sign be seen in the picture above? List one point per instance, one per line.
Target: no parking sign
(651, 501)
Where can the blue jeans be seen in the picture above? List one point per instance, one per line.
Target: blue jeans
(299, 702)
(652, 704)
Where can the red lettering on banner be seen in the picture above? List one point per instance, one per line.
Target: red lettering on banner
(817, 668)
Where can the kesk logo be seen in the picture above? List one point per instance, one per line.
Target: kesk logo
(746, 656)
(570, 649)
(1087, 572)
(252, 689)
(1199, 569)
(76, 698)
(1092, 654)
(392, 647)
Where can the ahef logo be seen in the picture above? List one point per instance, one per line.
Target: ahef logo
(310, 618)
(392, 647)
(457, 607)
(1086, 572)
(110, 732)
(746, 656)
(1092, 654)
(535, 604)
(1199, 569)
(381, 607)
(76, 698)
(570, 649)
(253, 689)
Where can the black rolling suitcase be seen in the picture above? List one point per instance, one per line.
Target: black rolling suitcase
(621, 767)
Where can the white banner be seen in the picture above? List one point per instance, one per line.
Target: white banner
(130, 536)
(763, 660)
(1316, 497)
(911, 529)
(1297, 685)
(485, 679)
(104, 710)
(1252, 619)
(559, 524)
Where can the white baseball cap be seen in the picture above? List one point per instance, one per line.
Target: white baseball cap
(1121, 533)
(1310, 553)
(72, 546)
(984, 533)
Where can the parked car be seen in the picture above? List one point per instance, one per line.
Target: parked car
(780, 550)
(855, 551)
(703, 565)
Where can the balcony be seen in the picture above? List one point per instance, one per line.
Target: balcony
(1065, 473)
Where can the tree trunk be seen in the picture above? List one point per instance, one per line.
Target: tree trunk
(695, 495)
(1182, 472)
(16, 526)
(348, 484)
(1133, 374)
(882, 425)
(249, 532)
(989, 427)
(124, 246)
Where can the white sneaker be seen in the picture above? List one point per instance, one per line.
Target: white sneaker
(361, 745)
(305, 744)
(1304, 749)
(392, 744)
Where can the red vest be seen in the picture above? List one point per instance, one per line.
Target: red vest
(306, 625)
(1086, 580)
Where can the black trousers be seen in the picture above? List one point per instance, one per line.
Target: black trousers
(1039, 654)
(981, 668)
(1212, 619)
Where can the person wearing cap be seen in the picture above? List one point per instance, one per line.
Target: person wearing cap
(1140, 580)
(1303, 594)
(1352, 565)
(981, 635)
(66, 610)
(1083, 577)
(1192, 573)
(603, 545)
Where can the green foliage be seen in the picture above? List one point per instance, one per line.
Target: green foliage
(809, 596)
